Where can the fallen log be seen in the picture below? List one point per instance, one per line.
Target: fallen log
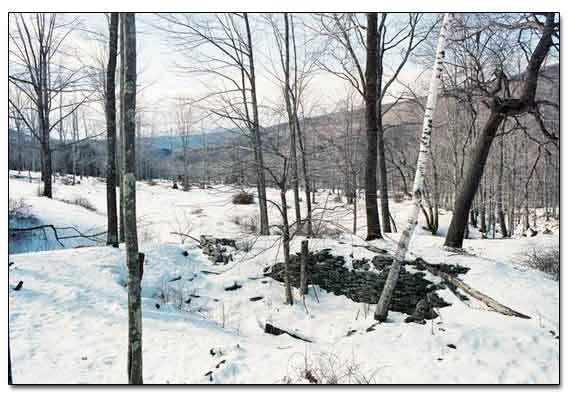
(183, 234)
(210, 272)
(26, 229)
(18, 286)
(373, 249)
(455, 281)
(274, 330)
(93, 237)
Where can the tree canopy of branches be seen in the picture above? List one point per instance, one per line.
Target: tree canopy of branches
(500, 99)
(221, 45)
(396, 38)
(37, 68)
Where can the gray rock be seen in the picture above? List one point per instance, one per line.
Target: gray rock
(363, 284)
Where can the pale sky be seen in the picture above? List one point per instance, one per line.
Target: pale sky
(157, 64)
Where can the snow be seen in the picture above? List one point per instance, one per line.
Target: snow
(68, 324)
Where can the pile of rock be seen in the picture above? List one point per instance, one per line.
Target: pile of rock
(218, 249)
(413, 295)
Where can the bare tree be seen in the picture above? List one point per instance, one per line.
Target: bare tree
(502, 104)
(423, 159)
(36, 42)
(111, 204)
(371, 126)
(133, 259)
(184, 118)
(233, 62)
(75, 148)
(15, 117)
(397, 38)
(401, 38)
(292, 120)
(296, 75)
(281, 176)
(121, 134)
(346, 137)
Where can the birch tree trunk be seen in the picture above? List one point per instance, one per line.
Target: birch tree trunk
(423, 160)
(135, 357)
(112, 238)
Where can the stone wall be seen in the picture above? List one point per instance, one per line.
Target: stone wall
(413, 295)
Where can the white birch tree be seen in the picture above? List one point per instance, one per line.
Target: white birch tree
(422, 165)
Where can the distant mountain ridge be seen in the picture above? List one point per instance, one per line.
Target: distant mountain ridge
(195, 141)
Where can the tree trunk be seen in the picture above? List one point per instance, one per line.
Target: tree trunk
(43, 110)
(500, 213)
(526, 194)
(355, 198)
(112, 238)
(421, 168)
(385, 215)
(121, 140)
(490, 302)
(303, 268)
(301, 136)
(383, 184)
(500, 110)
(456, 230)
(46, 169)
(292, 129)
(10, 382)
(306, 176)
(75, 148)
(259, 164)
(285, 240)
(135, 360)
(557, 211)
(545, 188)
(185, 180)
(512, 187)
(373, 227)
(20, 148)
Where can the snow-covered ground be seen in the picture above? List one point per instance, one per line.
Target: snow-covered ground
(68, 323)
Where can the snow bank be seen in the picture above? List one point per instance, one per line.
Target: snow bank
(68, 323)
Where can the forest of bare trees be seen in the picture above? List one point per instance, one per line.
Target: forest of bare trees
(454, 113)
(50, 104)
